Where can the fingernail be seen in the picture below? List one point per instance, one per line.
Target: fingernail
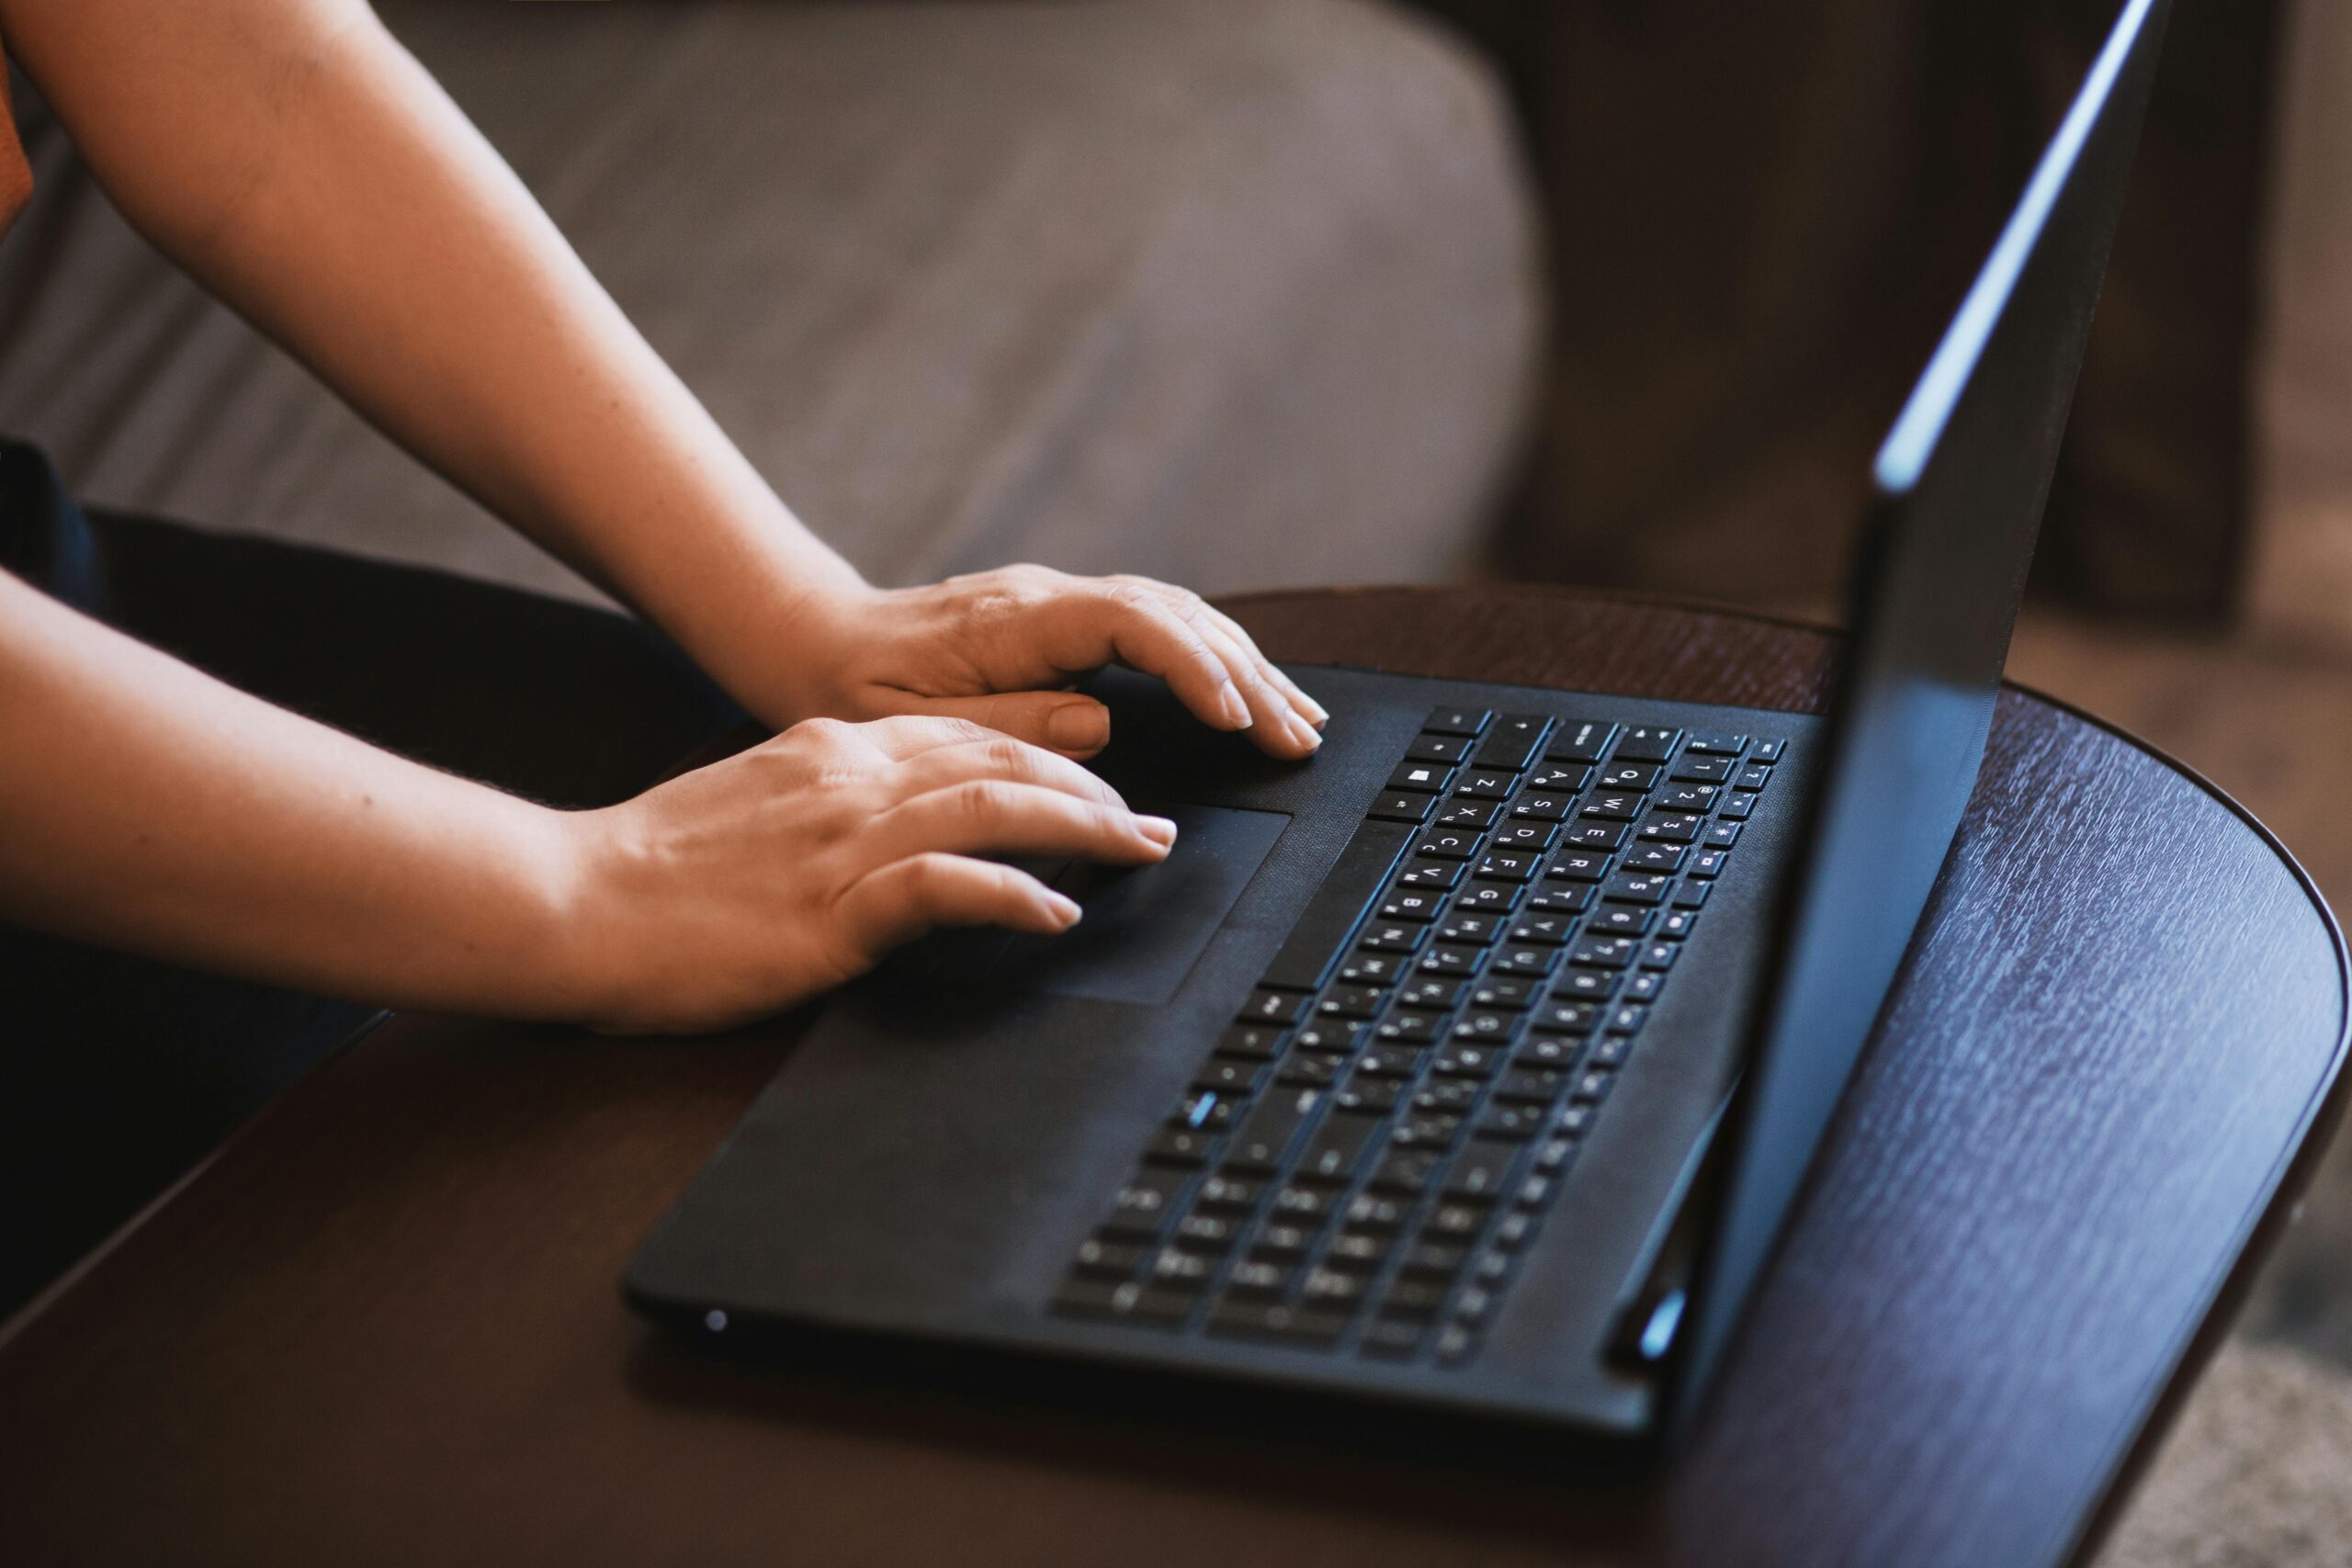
(1235, 711)
(1316, 712)
(1065, 909)
(1304, 734)
(1159, 829)
(1078, 727)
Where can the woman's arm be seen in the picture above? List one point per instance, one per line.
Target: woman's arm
(301, 164)
(148, 807)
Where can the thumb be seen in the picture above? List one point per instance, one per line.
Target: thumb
(1059, 721)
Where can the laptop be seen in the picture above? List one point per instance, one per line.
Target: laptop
(1469, 1072)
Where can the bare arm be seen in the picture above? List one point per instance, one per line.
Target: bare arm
(148, 807)
(299, 163)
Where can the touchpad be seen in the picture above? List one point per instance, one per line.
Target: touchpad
(1144, 927)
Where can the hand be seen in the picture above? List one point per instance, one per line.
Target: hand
(739, 889)
(1000, 648)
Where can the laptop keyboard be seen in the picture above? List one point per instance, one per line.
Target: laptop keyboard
(1375, 1139)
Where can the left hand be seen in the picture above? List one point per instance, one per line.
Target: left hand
(1002, 648)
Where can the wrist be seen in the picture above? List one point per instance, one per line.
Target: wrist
(799, 658)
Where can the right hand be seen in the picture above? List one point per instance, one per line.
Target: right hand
(744, 887)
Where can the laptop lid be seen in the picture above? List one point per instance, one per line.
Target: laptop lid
(1959, 487)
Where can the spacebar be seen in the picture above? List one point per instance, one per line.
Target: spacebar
(1354, 881)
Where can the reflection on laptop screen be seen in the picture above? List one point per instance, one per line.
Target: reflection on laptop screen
(1960, 482)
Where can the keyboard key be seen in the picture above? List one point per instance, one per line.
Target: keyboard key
(1644, 987)
(1456, 720)
(1401, 806)
(1717, 745)
(1620, 920)
(1709, 862)
(1604, 952)
(1103, 1258)
(1581, 741)
(1178, 1270)
(1512, 740)
(1634, 776)
(1273, 1320)
(1557, 778)
(1579, 866)
(1487, 1026)
(1673, 826)
(1767, 750)
(1665, 859)
(1485, 784)
(1637, 887)
(1514, 1232)
(1338, 906)
(1503, 992)
(1251, 1041)
(1471, 814)
(1530, 1086)
(1738, 806)
(1692, 894)
(1455, 1223)
(1537, 924)
(1264, 1135)
(1753, 776)
(1646, 743)
(1394, 1338)
(1555, 1155)
(1370, 1211)
(1472, 927)
(1627, 1018)
(1448, 960)
(1297, 1204)
(1411, 904)
(1430, 876)
(1595, 835)
(1436, 1259)
(1542, 806)
(1610, 807)
(1568, 1015)
(1230, 1075)
(1181, 1147)
(1407, 1028)
(1723, 835)
(1586, 985)
(1610, 1051)
(1449, 843)
(1352, 1001)
(1332, 1153)
(1677, 924)
(1498, 897)
(1508, 865)
(1469, 1060)
(1444, 749)
(1512, 1123)
(1094, 1297)
(1282, 1242)
(1687, 797)
(1428, 778)
(1209, 1111)
(1528, 837)
(1322, 1033)
(1304, 1069)
(1275, 1007)
(1331, 1290)
(1229, 1194)
(1435, 991)
(1392, 937)
(1448, 1097)
(1593, 1085)
(1524, 959)
(1367, 1097)
(1406, 1173)
(1259, 1277)
(1660, 956)
(1545, 1051)
(1143, 1205)
(1702, 770)
(1480, 1172)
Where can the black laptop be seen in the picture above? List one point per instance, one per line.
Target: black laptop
(1471, 1068)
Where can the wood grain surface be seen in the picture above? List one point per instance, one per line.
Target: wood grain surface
(383, 1326)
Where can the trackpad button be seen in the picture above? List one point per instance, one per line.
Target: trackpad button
(1145, 928)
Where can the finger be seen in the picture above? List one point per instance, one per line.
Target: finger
(1000, 757)
(901, 900)
(980, 816)
(1108, 621)
(1278, 728)
(1315, 713)
(1062, 721)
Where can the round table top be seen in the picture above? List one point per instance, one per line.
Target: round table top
(384, 1323)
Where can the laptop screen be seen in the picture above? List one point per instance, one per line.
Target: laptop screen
(1959, 486)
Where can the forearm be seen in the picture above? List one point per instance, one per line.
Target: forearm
(146, 805)
(295, 160)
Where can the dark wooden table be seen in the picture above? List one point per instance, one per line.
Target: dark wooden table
(383, 1324)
